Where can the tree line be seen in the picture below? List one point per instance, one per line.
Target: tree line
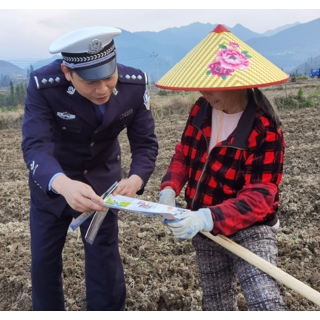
(4, 80)
(16, 96)
(14, 93)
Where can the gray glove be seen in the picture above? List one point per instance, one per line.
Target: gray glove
(168, 197)
(189, 223)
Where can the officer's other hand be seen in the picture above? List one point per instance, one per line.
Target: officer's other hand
(77, 194)
(129, 187)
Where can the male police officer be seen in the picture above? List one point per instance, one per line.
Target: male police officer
(74, 112)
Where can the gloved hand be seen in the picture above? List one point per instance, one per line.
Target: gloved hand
(168, 197)
(189, 223)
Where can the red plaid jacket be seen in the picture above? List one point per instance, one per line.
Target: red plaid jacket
(238, 180)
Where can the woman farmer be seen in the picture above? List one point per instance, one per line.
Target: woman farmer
(231, 159)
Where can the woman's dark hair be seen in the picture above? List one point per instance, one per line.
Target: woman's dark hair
(262, 101)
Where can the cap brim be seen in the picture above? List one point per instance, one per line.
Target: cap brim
(101, 72)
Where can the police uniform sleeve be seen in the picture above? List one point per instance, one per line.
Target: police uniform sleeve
(37, 145)
(142, 138)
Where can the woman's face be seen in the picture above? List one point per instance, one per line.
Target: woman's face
(229, 101)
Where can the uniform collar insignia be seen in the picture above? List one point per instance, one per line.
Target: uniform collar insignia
(71, 90)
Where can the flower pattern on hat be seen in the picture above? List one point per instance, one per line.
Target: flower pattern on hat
(229, 60)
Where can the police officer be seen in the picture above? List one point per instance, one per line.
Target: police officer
(75, 109)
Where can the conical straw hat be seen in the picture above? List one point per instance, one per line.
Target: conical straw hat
(221, 61)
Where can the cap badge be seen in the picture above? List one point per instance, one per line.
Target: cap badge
(95, 46)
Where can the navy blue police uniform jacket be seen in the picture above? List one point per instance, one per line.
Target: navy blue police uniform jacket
(61, 133)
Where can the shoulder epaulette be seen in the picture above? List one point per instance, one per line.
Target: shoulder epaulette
(43, 82)
(131, 75)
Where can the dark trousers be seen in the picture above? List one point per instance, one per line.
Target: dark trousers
(105, 283)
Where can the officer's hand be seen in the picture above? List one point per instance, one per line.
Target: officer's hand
(189, 223)
(77, 194)
(129, 187)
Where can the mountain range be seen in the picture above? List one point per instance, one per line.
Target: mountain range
(293, 48)
(7, 68)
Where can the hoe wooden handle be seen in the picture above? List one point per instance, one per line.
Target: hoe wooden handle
(267, 267)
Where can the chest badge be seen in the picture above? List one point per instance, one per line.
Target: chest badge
(66, 115)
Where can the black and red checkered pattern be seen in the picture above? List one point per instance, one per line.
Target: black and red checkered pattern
(238, 180)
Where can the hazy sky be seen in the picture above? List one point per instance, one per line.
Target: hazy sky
(27, 33)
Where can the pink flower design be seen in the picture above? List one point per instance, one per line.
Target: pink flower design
(218, 70)
(232, 59)
(234, 45)
(228, 60)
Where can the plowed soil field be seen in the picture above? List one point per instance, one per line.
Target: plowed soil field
(161, 272)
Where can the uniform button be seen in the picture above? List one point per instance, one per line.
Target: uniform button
(92, 144)
(63, 128)
(85, 171)
(118, 157)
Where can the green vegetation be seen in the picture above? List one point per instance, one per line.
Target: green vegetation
(300, 100)
(15, 97)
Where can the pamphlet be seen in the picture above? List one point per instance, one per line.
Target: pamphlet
(142, 206)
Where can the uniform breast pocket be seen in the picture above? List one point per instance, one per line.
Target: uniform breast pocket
(67, 126)
(68, 131)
